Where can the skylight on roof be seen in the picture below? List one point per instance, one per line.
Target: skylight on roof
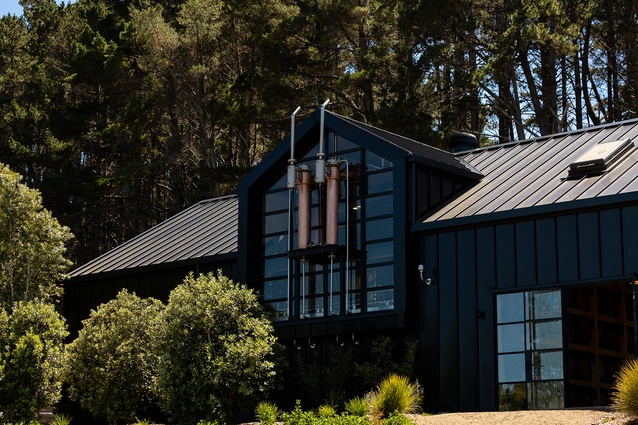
(599, 157)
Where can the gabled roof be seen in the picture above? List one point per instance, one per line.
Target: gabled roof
(206, 229)
(381, 142)
(534, 174)
(420, 152)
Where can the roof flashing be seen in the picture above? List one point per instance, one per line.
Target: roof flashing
(598, 158)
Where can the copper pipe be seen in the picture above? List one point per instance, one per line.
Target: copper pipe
(303, 225)
(332, 203)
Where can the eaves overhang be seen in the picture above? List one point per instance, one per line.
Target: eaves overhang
(555, 209)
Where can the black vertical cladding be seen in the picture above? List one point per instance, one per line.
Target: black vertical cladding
(401, 231)
(610, 247)
(485, 285)
(546, 264)
(505, 256)
(589, 245)
(567, 245)
(468, 315)
(630, 243)
(430, 330)
(449, 324)
(525, 254)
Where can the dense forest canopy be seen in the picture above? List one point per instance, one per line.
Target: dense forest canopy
(123, 112)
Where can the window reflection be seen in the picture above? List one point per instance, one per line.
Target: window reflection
(277, 266)
(276, 201)
(274, 245)
(276, 223)
(375, 162)
(530, 355)
(509, 308)
(543, 305)
(511, 367)
(379, 182)
(379, 229)
(380, 300)
(511, 338)
(274, 289)
(379, 205)
(544, 335)
(380, 252)
(379, 276)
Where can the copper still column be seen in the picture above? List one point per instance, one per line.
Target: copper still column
(332, 203)
(304, 207)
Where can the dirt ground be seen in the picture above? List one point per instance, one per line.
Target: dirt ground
(527, 417)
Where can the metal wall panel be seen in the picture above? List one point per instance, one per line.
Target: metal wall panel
(485, 284)
(610, 248)
(449, 323)
(547, 267)
(505, 256)
(467, 320)
(588, 245)
(630, 244)
(567, 246)
(525, 254)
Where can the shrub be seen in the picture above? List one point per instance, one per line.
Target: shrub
(326, 411)
(396, 394)
(396, 418)
(298, 417)
(31, 359)
(61, 419)
(267, 413)
(625, 391)
(358, 406)
(216, 350)
(112, 363)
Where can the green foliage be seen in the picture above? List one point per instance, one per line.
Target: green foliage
(358, 406)
(32, 244)
(300, 417)
(31, 359)
(61, 419)
(396, 394)
(625, 390)
(267, 413)
(112, 363)
(216, 349)
(326, 411)
(396, 418)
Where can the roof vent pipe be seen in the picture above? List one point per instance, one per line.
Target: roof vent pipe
(292, 173)
(320, 164)
(460, 142)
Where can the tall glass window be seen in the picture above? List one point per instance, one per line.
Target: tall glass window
(530, 350)
(359, 278)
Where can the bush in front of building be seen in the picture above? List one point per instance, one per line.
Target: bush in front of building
(216, 350)
(111, 364)
(31, 359)
(625, 391)
(395, 394)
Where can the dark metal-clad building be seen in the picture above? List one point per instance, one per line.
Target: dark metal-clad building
(511, 265)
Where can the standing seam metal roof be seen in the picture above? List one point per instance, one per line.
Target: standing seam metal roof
(205, 229)
(533, 173)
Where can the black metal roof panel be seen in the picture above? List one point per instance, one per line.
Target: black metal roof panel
(425, 153)
(206, 229)
(535, 173)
